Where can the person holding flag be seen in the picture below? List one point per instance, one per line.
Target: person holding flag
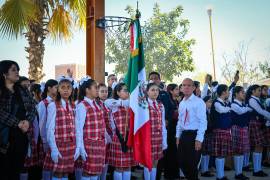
(120, 156)
(140, 125)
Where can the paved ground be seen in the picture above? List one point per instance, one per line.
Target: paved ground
(230, 174)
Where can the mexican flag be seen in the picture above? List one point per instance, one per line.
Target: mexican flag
(140, 127)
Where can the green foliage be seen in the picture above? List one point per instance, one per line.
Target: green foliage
(58, 17)
(265, 68)
(165, 46)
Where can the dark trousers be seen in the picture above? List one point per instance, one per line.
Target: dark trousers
(171, 169)
(11, 163)
(160, 168)
(188, 157)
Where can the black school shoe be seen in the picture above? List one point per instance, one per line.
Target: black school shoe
(207, 174)
(266, 164)
(241, 177)
(260, 174)
(224, 178)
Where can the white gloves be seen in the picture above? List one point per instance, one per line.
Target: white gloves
(83, 153)
(55, 154)
(77, 154)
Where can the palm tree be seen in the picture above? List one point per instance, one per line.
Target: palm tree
(37, 20)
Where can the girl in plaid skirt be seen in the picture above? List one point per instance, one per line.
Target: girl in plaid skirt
(222, 139)
(121, 159)
(90, 118)
(207, 143)
(102, 96)
(61, 133)
(158, 129)
(257, 122)
(240, 136)
(48, 96)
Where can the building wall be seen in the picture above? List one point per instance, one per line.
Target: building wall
(78, 70)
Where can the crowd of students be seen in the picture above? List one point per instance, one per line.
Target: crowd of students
(66, 129)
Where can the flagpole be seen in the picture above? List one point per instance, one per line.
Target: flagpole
(209, 12)
(138, 14)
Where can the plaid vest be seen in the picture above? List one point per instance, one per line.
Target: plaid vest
(121, 118)
(156, 119)
(64, 124)
(94, 126)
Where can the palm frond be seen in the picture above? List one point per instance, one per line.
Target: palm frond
(15, 15)
(60, 24)
(78, 7)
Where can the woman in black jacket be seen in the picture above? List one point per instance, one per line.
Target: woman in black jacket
(17, 111)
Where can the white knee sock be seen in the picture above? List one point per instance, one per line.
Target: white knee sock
(246, 159)
(78, 173)
(205, 163)
(104, 172)
(55, 178)
(24, 176)
(181, 173)
(126, 175)
(220, 167)
(153, 173)
(85, 178)
(237, 164)
(117, 175)
(93, 177)
(241, 163)
(46, 175)
(257, 160)
(146, 173)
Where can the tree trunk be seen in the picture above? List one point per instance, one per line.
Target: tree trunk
(35, 37)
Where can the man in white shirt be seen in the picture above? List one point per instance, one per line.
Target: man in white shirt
(190, 129)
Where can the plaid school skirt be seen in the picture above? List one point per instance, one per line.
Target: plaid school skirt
(156, 147)
(117, 158)
(240, 140)
(41, 154)
(66, 163)
(95, 160)
(222, 143)
(207, 145)
(107, 153)
(256, 133)
(33, 159)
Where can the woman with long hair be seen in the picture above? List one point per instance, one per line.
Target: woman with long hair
(17, 112)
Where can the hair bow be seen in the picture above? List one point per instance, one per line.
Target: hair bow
(84, 79)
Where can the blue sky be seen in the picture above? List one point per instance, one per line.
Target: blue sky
(233, 21)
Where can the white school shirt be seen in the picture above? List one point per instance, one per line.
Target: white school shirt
(113, 105)
(50, 125)
(192, 116)
(42, 113)
(164, 130)
(254, 104)
(239, 110)
(204, 90)
(221, 109)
